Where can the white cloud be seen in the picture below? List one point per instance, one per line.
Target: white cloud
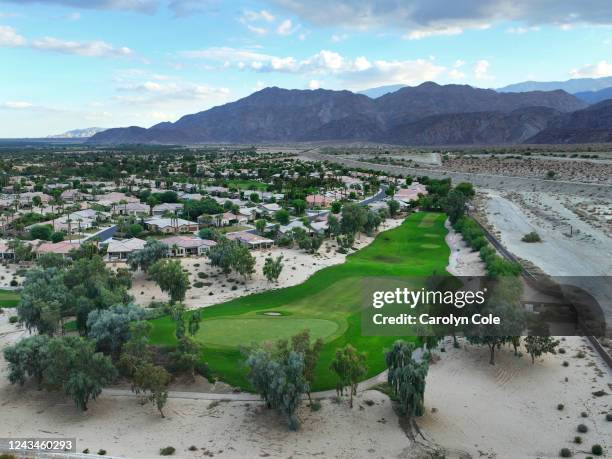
(418, 34)
(337, 38)
(456, 74)
(257, 30)
(252, 16)
(16, 105)
(520, 30)
(314, 84)
(600, 69)
(75, 16)
(89, 49)
(459, 63)
(10, 37)
(481, 70)
(285, 28)
(352, 72)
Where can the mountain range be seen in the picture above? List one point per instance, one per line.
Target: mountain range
(428, 114)
(573, 86)
(77, 133)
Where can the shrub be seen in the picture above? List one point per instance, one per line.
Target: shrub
(13, 319)
(561, 350)
(315, 406)
(167, 451)
(198, 284)
(580, 355)
(531, 237)
(203, 275)
(578, 439)
(7, 456)
(565, 452)
(560, 406)
(609, 417)
(584, 414)
(234, 287)
(14, 283)
(193, 448)
(582, 428)
(597, 450)
(101, 452)
(565, 363)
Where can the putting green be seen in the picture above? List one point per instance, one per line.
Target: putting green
(238, 331)
(328, 304)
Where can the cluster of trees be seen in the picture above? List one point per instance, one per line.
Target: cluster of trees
(474, 236)
(146, 257)
(58, 288)
(67, 363)
(228, 255)
(282, 373)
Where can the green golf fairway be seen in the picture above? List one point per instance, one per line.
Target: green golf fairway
(328, 304)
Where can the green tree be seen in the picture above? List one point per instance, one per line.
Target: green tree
(135, 230)
(242, 261)
(260, 226)
(454, 205)
(76, 368)
(27, 359)
(110, 328)
(194, 322)
(57, 236)
(537, 346)
(299, 206)
(136, 351)
(280, 381)
(336, 206)
(393, 206)
(171, 278)
(187, 355)
(301, 343)
(44, 300)
(210, 234)
(143, 259)
(350, 367)
(354, 218)
(406, 377)
(152, 381)
(42, 232)
(272, 268)
(282, 216)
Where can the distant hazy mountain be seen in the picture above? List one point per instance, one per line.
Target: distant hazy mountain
(572, 86)
(374, 93)
(592, 97)
(591, 125)
(281, 115)
(77, 133)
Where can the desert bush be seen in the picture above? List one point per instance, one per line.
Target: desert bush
(578, 439)
(198, 284)
(315, 406)
(13, 319)
(560, 406)
(531, 237)
(597, 450)
(167, 451)
(565, 452)
(582, 428)
(565, 363)
(609, 417)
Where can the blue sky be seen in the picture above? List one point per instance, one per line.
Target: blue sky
(69, 64)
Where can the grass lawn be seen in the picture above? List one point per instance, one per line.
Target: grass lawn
(231, 229)
(247, 185)
(328, 304)
(8, 299)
